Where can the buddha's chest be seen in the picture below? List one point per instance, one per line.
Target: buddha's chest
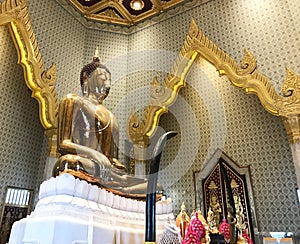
(94, 120)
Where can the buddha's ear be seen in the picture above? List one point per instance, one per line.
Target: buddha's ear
(85, 88)
(83, 79)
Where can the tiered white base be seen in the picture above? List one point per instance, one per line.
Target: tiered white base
(72, 211)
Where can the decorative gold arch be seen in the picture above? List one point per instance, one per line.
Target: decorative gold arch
(243, 75)
(41, 82)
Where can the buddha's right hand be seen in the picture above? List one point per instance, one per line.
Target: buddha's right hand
(94, 164)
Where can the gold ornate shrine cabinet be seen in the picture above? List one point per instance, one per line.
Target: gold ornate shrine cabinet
(215, 196)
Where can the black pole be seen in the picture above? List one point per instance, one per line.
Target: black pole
(233, 232)
(228, 187)
(150, 231)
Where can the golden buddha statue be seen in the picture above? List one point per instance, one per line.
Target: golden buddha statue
(88, 136)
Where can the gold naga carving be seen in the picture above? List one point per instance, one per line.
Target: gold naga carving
(243, 75)
(41, 82)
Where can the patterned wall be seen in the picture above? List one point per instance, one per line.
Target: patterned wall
(22, 140)
(216, 114)
(23, 145)
(244, 124)
(61, 40)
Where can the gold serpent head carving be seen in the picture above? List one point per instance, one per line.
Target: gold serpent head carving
(49, 76)
(291, 85)
(248, 63)
(156, 90)
(135, 128)
(194, 30)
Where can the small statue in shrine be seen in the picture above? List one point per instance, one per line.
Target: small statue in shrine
(215, 207)
(240, 218)
(182, 221)
(211, 221)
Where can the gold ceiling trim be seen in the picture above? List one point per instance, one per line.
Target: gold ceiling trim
(243, 75)
(41, 82)
(124, 27)
(158, 5)
(90, 12)
(126, 19)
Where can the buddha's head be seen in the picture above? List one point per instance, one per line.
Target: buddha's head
(95, 79)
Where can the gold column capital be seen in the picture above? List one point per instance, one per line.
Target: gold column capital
(292, 126)
(52, 142)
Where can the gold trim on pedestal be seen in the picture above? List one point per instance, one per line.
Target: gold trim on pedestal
(243, 75)
(14, 13)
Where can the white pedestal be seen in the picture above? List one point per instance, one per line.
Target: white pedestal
(71, 211)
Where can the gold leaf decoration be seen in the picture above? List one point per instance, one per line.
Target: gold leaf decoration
(246, 76)
(41, 82)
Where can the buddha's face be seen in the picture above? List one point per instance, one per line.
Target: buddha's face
(99, 83)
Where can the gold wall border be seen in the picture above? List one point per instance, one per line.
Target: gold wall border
(243, 75)
(41, 82)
